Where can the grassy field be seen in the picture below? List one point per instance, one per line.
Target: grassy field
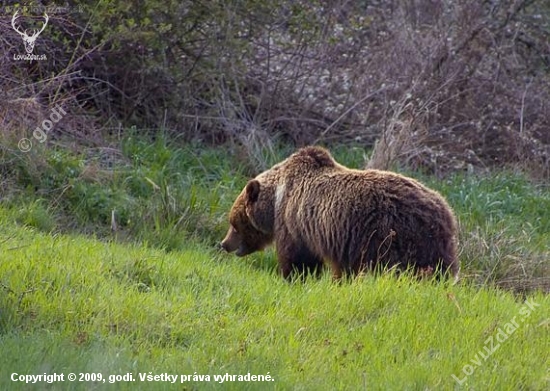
(157, 298)
(73, 304)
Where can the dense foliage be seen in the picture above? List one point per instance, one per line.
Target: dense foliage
(442, 85)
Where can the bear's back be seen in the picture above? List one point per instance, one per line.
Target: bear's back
(366, 217)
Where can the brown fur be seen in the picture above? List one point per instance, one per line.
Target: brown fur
(316, 210)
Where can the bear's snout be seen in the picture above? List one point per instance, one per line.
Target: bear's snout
(225, 245)
(239, 250)
(232, 241)
(221, 246)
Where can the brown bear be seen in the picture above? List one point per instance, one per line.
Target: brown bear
(318, 211)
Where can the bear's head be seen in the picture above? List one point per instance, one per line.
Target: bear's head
(251, 219)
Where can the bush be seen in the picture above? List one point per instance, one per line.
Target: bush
(453, 85)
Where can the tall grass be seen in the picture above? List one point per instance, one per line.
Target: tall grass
(505, 229)
(166, 196)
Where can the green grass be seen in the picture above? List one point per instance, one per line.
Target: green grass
(74, 304)
(155, 296)
(165, 195)
(504, 228)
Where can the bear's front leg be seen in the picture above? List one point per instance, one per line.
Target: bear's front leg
(295, 257)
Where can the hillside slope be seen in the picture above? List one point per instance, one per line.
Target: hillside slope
(70, 304)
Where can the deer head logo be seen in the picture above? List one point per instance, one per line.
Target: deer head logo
(29, 40)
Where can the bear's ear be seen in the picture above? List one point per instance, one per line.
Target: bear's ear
(252, 190)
